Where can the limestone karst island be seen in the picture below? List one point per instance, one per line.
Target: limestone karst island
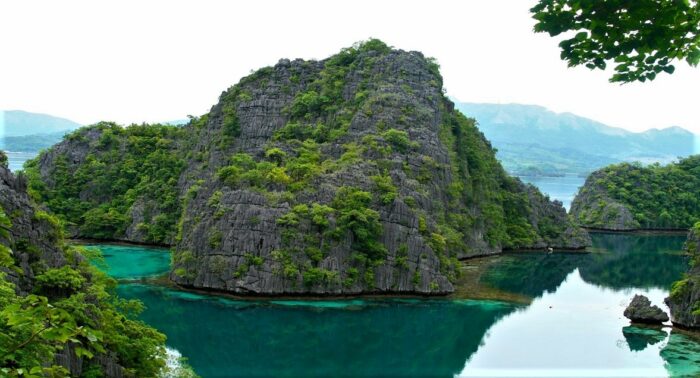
(489, 189)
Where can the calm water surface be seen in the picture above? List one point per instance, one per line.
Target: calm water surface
(572, 326)
(560, 188)
(129, 262)
(16, 159)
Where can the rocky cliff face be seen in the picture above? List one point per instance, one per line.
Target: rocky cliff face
(107, 182)
(684, 300)
(33, 236)
(626, 196)
(344, 176)
(594, 208)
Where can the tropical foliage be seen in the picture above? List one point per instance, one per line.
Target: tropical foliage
(130, 166)
(642, 37)
(71, 307)
(657, 196)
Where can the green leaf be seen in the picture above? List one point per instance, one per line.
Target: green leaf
(82, 352)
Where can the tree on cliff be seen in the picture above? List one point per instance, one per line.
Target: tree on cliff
(641, 37)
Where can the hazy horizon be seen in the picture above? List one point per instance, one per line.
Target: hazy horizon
(134, 62)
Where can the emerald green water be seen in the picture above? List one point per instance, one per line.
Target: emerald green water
(572, 327)
(133, 262)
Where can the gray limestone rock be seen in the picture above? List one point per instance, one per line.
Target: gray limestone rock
(684, 301)
(36, 243)
(358, 117)
(640, 310)
(593, 208)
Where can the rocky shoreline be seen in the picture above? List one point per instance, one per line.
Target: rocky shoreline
(639, 231)
(684, 300)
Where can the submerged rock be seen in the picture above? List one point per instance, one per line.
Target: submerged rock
(684, 301)
(639, 339)
(640, 310)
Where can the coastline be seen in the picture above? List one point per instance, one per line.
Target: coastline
(639, 231)
(85, 241)
(165, 282)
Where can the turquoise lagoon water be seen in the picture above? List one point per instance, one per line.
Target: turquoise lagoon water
(125, 262)
(573, 325)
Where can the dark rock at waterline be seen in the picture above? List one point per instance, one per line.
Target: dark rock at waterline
(640, 310)
(684, 301)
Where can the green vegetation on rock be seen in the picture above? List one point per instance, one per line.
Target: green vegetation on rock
(123, 187)
(56, 307)
(632, 196)
(684, 299)
(348, 175)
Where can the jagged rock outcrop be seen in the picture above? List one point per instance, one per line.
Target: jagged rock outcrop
(34, 238)
(630, 196)
(107, 182)
(684, 300)
(344, 176)
(553, 223)
(640, 310)
(593, 208)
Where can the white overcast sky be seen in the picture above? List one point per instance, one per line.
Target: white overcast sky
(136, 61)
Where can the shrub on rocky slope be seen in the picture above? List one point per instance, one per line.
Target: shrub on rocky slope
(684, 300)
(58, 315)
(631, 196)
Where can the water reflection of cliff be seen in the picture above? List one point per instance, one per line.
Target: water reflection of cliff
(635, 261)
(681, 352)
(618, 261)
(344, 338)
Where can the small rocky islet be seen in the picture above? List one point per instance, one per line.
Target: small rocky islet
(640, 310)
(345, 176)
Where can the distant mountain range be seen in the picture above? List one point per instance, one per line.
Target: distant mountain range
(532, 140)
(20, 123)
(22, 131)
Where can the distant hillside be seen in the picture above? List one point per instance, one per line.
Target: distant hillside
(30, 143)
(22, 131)
(533, 140)
(15, 123)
